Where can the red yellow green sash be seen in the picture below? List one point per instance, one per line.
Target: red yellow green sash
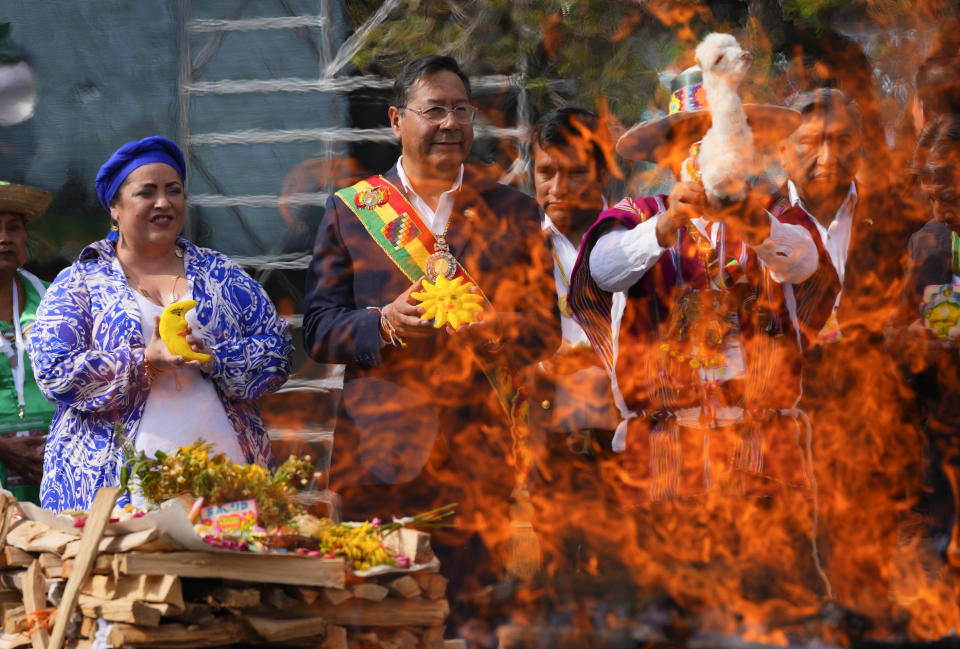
(392, 222)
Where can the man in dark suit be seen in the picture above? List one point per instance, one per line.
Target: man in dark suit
(419, 423)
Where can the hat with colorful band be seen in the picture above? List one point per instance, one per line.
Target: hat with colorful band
(667, 139)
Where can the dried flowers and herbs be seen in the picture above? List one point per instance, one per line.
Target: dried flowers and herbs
(263, 513)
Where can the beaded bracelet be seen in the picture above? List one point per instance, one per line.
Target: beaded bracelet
(148, 367)
(387, 330)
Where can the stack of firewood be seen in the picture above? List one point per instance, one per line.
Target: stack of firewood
(59, 589)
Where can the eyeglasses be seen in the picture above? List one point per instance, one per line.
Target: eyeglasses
(437, 114)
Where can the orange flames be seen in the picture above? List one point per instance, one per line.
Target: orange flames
(841, 560)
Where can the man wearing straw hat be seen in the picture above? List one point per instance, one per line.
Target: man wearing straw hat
(710, 343)
(24, 412)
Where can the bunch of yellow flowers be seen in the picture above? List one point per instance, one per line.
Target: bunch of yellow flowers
(196, 470)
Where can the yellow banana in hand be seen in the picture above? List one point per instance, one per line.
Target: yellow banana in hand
(173, 331)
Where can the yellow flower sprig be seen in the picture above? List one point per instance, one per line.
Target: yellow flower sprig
(362, 545)
(195, 469)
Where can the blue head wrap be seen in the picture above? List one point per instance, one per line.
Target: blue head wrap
(132, 155)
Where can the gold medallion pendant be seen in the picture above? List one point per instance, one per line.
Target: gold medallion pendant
(440, 263)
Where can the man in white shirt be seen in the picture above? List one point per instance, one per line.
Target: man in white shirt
(851, 390)
(570, 171)
(821, 159)
(709, 346)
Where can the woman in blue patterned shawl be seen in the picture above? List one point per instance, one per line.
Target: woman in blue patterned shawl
(96, 350)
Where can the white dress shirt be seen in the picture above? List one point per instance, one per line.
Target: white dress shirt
(836, 236)
(437, 219)
(565, 257)
(183, 405)
(621, 256)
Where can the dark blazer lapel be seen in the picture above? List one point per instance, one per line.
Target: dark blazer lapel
(393, 177)
(468, 207)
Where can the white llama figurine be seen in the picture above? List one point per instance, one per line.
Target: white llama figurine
(726, 154)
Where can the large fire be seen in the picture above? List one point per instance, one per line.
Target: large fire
(844, 558)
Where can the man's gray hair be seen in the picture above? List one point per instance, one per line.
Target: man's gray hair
(823, 100)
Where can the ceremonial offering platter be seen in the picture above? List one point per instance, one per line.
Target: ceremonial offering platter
(249, 509)
(217, 554)
(145, 579)
(212, 478)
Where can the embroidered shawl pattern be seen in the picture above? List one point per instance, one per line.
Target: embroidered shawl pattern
(86, 351)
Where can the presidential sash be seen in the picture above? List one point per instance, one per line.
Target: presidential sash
(400, 232)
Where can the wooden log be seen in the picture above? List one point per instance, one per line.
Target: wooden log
(234, 597)
(412, 543)
(336, 596)
(405, 587)
(242, 566)
(35, 599)
(7, 596)
(432, 638)
(389, 612)
(370, 592)
(457, 643)
(120, 610)
(277, 597)
(276, 630)
(14, 557)
(402, 639)
(147, 588)
(166, 608)
(173, 635)
(12, 580)
(34, 536)
(88, 627)
(52, 565)
(102, 566)
(434, 584)
(8, 505)
(15, 641)
(11, 617)
(307, 595)
(336, 638)
(6, 608)
(99, 515)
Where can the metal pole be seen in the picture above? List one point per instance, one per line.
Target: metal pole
(184, 79)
